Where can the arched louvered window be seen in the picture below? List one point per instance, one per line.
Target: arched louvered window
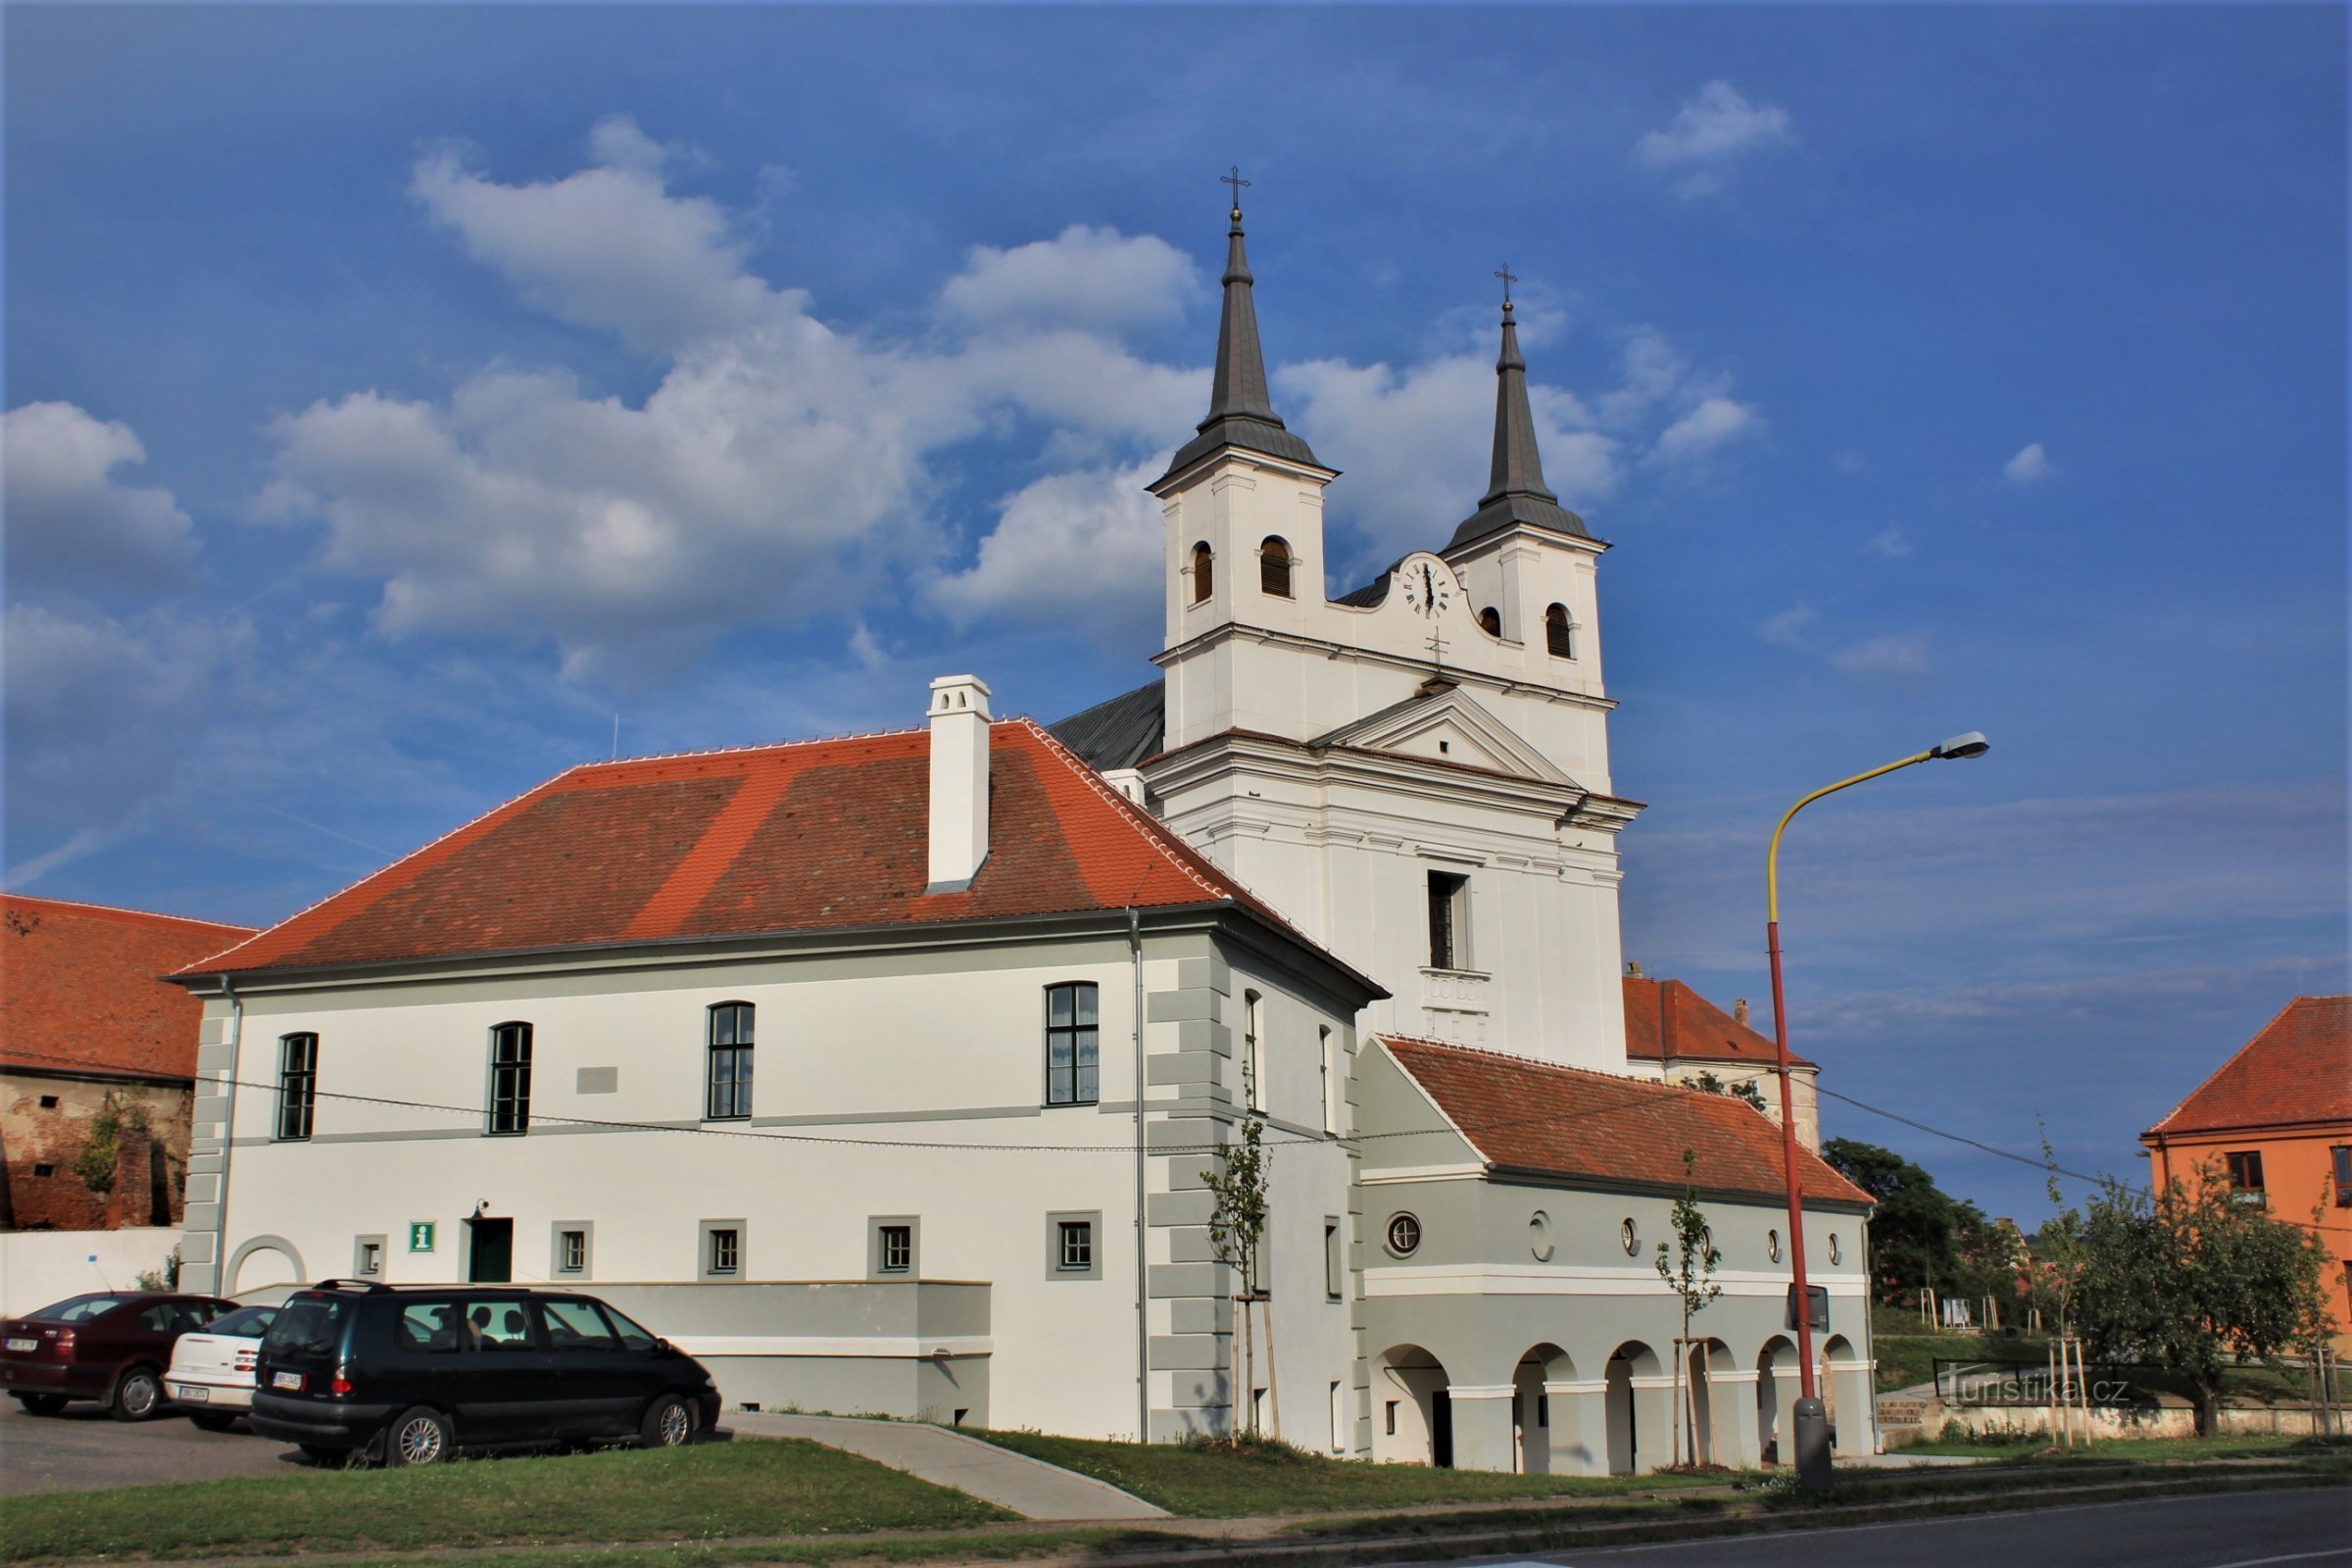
(1560, 633)
(1274, 568)
(1490, 619)
(1204, 571)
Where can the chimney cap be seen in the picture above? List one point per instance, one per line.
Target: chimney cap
(959, 694)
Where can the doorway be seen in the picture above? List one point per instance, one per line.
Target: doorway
(1441, 1430)
(490, 1257)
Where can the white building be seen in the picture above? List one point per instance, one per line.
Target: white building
(1004, 1013)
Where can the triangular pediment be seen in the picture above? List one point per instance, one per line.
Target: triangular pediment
(1447, 727)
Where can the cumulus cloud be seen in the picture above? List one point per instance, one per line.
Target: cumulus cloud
(1789, 629)
(1086, 544)
(1709, 135)
(1890, 657)
(1889, 543)
(1093, 278)
(1703, 431)
(71, 520)
(2031, 465)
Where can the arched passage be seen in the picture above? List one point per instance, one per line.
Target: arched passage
(1706, 1363)
(263, 1262)
(1845, 1397)
(1775, 1391)
(1629, 1410)
(1534, 1420)
(1412, 1417)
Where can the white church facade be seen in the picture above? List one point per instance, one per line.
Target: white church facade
(882, 1072)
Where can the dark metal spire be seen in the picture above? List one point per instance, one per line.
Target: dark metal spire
(1515, 488)
(1240, 411)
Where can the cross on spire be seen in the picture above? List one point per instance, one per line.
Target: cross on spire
(1508, 278)
(1238, 183)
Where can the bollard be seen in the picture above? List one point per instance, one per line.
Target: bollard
(1812, 1446)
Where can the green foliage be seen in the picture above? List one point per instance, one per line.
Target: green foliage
(2192, 1279)
(1745, 1088)
(1237, 1226)
(165, 1278)
(100, 1151)
(1913, 1232)
(1688, 1269)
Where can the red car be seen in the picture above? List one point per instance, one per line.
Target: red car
(110, 1346)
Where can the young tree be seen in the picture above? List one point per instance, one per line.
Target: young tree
(1237, 1232)
(2194, 1277)
(1688, 1271)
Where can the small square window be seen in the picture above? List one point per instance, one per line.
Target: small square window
(44, 1170)
(48, 1102)
(2245, 1173)
(893, 1246)
(571, 1248)
(1074, 1245)
(573, 1252)
(1077, 1245)
(722, 1244)
(368, 1258)
(898, 1249)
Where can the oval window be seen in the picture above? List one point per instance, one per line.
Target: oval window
(1404, 1235)
(1630, 1237)
(1772, 1245)
(1833, 1247)
(1539, 1236)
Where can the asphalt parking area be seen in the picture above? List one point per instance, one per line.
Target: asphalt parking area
(81, 1448)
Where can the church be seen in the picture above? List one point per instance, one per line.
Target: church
(882, 1072)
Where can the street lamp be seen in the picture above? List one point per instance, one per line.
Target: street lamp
(1812, 1422)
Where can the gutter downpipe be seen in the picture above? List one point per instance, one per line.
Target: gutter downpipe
(1143, 1298)
(228, 1130)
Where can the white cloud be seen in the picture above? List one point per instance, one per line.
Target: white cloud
(1083, 548)
(1789, 629)
(2031, 465)
(1093, 278)
(1703, 431)
(1417, 442)
(69, 518)
(1889, 543)
(1708, 135)
(1891, 658)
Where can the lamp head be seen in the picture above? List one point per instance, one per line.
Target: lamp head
(1972, 744)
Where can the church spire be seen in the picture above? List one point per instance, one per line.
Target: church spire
(1240, 411)
(1515, 488)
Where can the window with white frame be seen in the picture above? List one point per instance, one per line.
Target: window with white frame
(1449, 920)
(1328, 1055)
(1073, 1044)
(721, 1246)
(729, 1096)
(297, 1086)
(1253, 1050)
(511, 1079)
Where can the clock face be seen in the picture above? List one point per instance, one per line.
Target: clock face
(1427, 588)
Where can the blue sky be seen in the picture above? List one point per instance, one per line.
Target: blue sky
(395, 395)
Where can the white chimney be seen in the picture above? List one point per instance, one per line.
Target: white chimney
(960, 721)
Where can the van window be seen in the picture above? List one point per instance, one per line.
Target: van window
(310, 1324)
(574, 1326)
(498, 1325)
(631, 1335)
(428, 1327)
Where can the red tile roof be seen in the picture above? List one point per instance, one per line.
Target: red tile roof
(81, 989)
(2297, 1071)
(1566, 1121)
(1691, 1027)
(813, 835)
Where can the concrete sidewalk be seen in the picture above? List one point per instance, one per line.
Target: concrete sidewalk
(1028, 1487)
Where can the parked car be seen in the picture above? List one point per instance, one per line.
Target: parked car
(410, 1374)
(111, 1346)
(212, 1368)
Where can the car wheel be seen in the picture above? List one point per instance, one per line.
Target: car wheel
(42, 1404)
(417, 1437)
(668, 1423)
(211, 1420)
(138, 1396)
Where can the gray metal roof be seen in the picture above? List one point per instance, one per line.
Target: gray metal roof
(1515, 489)
(1240, 411)
(1120, 732)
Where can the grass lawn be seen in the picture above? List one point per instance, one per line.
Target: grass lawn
(2246, 1446)
(1209, 1484)
(706, 1493)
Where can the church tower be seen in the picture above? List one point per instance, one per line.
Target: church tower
(1416, 773)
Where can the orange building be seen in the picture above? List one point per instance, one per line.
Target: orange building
(2276, 1122)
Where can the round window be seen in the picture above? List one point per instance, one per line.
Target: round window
(1539, 1236)
(1772, 1245)
(1833, 1247)
(1632, 1238)
(1404, 1235)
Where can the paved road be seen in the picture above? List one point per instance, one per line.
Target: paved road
(82, 1448)
(2240, 1530)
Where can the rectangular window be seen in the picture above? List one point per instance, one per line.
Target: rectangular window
(367, 1257)
(1072, 1044)
(895, 1248)
(1253, 1050)
(1392, 1418)
(1334, 1264)
(571, 1252)
(1339, 1420)
(2245, 1172)
(499, 1325)
(1449, 920)
(576, 1326)
(1077, 1251)
(725, 1252)
(510, 1078)
(428, 1328)
(1330, 1060)
(296, 1085)
(2342, 1157)
(729, 1096)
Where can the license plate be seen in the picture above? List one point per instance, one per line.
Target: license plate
(189, 1393)
(24, 1345)
(285, 1380)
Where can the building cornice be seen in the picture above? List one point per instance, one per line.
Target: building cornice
(1324, 646)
